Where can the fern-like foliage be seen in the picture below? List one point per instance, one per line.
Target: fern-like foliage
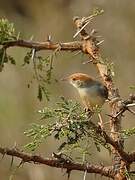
(7, 31)
(128, 132)
(69, 124)
(42, 66)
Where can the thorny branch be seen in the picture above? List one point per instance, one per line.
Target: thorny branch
(47, 45)
(124, 156)
(59, 162)
(88, 45)
(126, 105)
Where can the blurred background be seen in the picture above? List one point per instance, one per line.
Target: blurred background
(19, 105)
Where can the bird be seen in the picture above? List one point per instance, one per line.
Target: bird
(93, 93)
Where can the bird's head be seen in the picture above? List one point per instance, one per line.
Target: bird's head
(79, 80)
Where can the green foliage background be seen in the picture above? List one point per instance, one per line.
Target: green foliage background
(19, 104)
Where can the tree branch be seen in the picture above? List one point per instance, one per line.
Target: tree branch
(125, 105)
(124, 156)
(59, 163)
(90, 46)
(48, 45)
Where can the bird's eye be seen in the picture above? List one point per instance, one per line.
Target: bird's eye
(73, 79)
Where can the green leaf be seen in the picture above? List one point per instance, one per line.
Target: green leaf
(128, 132)
(12, 60)
(7, 31)
(27, 58)
(132, 87)
(70, 126)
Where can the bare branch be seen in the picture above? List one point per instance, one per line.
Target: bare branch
(48, 45)
(58, 163)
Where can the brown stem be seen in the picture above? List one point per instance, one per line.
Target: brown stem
(48, 45)
(59, 163)
(124, 156)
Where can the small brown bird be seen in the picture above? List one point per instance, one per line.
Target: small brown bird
(92, 92)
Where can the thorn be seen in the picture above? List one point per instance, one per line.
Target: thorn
(33, 54)
(85, 172)
(113, 117)
(109, 115)
(18, 35)
(57, 155)
(77, 53)
(31, 38)
(12, 161)
(102, 164)
(20, 164)
(130, 105)
(15, 145)
(49, 38)
(99, 36)
(100, 123)
(119, 113)
(99, 43)
(76, 34)
(3, 155)
(68, 173)
(84, 176)
(86, 62)
(94, 31)
(131, 111)
(87, 19)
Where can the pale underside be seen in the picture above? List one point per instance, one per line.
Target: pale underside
(90, 97)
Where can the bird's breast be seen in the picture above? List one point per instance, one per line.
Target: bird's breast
(91, 96)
